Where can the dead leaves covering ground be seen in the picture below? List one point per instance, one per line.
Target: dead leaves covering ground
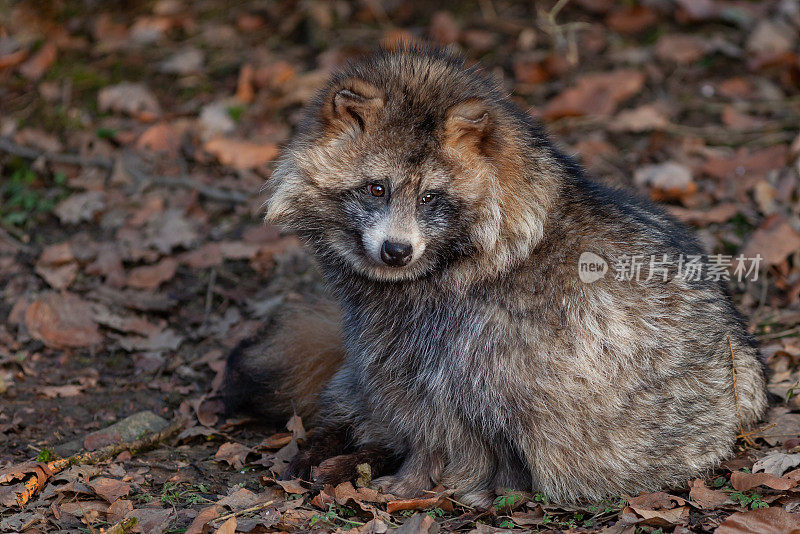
(133, 145)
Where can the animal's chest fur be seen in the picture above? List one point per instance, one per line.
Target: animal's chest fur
(427, 365)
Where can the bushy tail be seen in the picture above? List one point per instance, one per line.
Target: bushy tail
(285, 372)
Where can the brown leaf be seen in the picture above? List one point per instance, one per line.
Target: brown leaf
(119, 509)
(110, 489)
(772, 520)
(37, 66)
(595, 94)
(58, 276)
(671, 516)
(292, 486)
(681, 49)
(418, 524)
(275, 441)
(234, 454)
(209, 410)
(244, 87)
(424, 503)
(57, 265)
(13, 472)
(131, 98)
(295, 426)
(642, 119)
(206, 515)
(655, 501)
(161, 137)
(208, 255)
(61, 391)
(152, 276)
(151, 519)
(240, 498)
(228, 527)
(631, 20)
(241, 154)
(62, 321)
(705, 497)
(669, 180)
(752, 165)
(742, 481)
(702, 217)
(775, 239)
(780, 426)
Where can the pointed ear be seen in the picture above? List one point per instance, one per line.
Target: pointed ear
(353, 102)
(467, 123)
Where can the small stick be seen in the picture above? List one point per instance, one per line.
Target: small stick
(36, 481)
(255, 508)
(8, 146)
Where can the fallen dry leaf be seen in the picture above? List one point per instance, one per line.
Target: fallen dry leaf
(292, 486)
(152, 276)
(702, 217)
(669, 180)
(641, 119)
(704, 497)
(37, 66)
(62, 320)
(742, 481)
(80, 207)
(228, 527)
(206, 515)
(69, 390)
(241, 154)
(776, 463)
(131, 98)
(110, 489)
(775, 239)
(161, 137)
(772, 520)
(595, 94)
(234, 454)
(681, 49)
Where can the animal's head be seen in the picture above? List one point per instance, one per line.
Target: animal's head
(408, 163)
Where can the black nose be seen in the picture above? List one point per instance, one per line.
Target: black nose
(395, 254)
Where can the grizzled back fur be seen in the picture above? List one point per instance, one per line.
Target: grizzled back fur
(450, 230)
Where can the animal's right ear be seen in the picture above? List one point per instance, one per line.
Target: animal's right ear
(353, 103)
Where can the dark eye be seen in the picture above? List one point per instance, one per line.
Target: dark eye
(427, 197)
(377, 190)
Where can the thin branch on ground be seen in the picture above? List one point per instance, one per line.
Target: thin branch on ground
(10, 147)
(36, 481)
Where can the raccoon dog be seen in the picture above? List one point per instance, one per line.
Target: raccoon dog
(463, 347)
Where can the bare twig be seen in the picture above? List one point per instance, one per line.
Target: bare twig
(255, 508)
(212, 193)
(44, 471)
(10, 147)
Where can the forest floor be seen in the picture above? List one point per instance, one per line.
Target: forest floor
(135, 138)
